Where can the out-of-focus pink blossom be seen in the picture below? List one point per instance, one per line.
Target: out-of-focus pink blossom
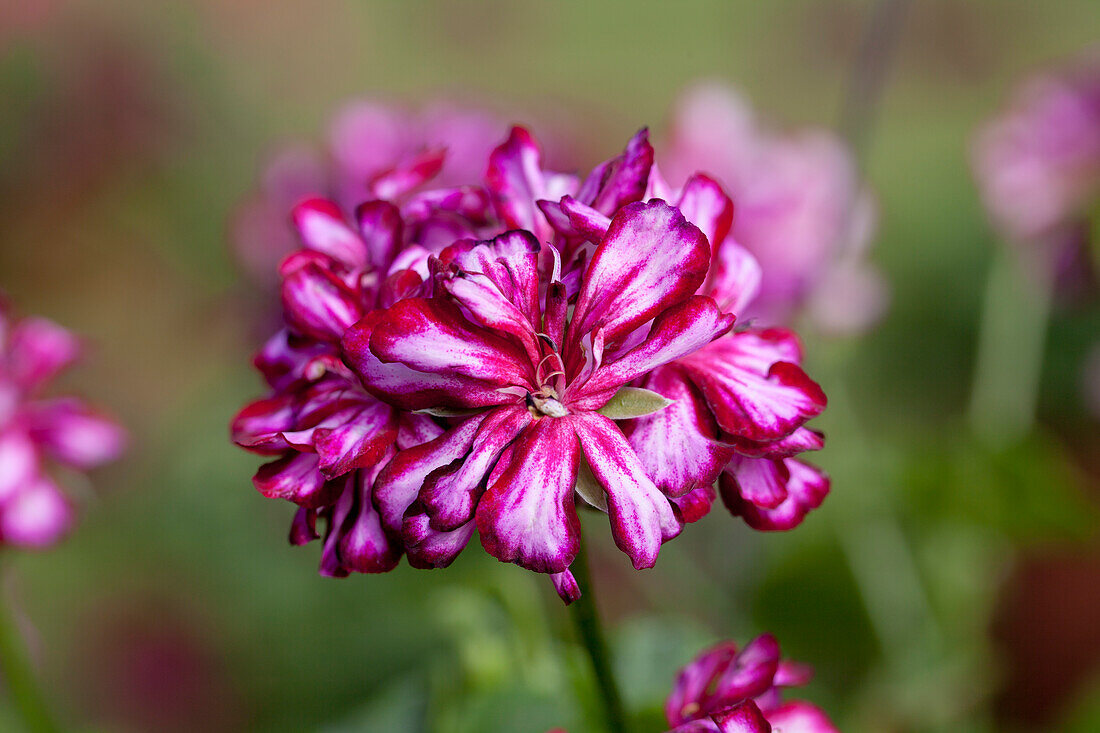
(1038, 168)
(36, 430)
(801, 209)
(368, 142)
(725, 689)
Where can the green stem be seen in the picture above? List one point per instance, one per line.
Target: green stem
(1010, 348)
(587, 621)
(19, 678)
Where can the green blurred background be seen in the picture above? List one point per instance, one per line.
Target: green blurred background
(944, 586)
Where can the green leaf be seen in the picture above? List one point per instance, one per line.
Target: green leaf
(631, 402)
(590, 489)
(447, 411)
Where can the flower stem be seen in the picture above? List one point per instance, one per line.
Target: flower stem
(587, 621)
(19, 678)
(1010, 347)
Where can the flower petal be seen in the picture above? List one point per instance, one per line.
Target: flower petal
(321, 226)
(752, 394)
(690, 689)
(641, 516)
(359, 442)
(260, 424)
(37, 516)
(450, 495)
(405, 387)
(566, 586)
(734, 278)
(624, 178)
(319, 304)
(751, 672)
(761, 482)
(400, 481)
(18, 462)
(706, 205)
(364, 545)
(431, 335)
(73, 434)
(806, 487)
(382, 230)
(800, 717)
(651, 259)
(295, 477)
(37, 350)
(515, 180)
(677, 332)
(677, 445)
(744, 718)
(527, 514)
(432, 548)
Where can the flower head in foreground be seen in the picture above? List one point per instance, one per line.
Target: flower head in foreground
(35, 431)
(732, 691)
(1038, 167)
(801, 209)
(371, 147)
(472, 359)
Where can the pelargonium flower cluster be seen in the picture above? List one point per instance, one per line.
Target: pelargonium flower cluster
(740, 691)
(802, 210)
(474, 358)
(36, 431)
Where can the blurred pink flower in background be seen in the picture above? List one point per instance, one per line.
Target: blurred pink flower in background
(1038, 168)
(35, 431)
(1038, 163)
(800, 209)
(367, 140)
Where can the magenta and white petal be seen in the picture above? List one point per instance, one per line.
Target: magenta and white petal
(734, 278)
(753, 395)
(73, 434)
(743, 718)
(761, 482)
(566, 586)
(651, 259)
(382, 230)
(679, 331)
(623, 179)
(260, 424)
(706, 205)
(801, 440)
(678, 445)
(806, 486)
(319, 304)
(295, 477)
(641, 516)
(408, 175)
(516, 181)
(322, 228)
(798, 716)
(399, 483)
(527, 515)
(407, 388)
(37, 516)
(450, 494)
(303, 528)
(364, 545)
(694, 682)
(695, 504)
(428, 547)
(751, 672)
(359, 441)
(431, 335)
